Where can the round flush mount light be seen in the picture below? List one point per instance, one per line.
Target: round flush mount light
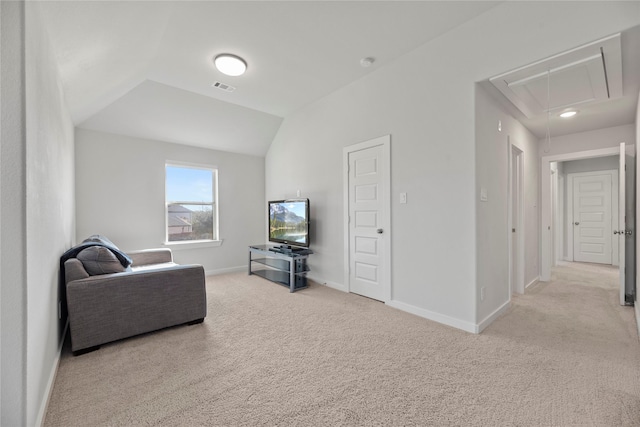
(568, 114)
(229, 64)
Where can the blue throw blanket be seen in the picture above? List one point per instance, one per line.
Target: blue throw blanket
(97, 240)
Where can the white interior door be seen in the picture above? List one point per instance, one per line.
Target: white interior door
(592, 217)
(559, 220)
(630, 226)
(516, 221)
(368, 219)
(621, 232)
(626, 227)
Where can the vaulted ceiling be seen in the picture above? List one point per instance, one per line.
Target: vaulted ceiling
(145, 68)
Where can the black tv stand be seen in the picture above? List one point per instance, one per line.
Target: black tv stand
(287, 267)
(290, 249)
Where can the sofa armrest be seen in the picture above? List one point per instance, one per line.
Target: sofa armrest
(114, 306)
(74, 270)
(151, 256)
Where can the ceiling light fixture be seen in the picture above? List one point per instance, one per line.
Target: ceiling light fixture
(568, 114)
(229, 64)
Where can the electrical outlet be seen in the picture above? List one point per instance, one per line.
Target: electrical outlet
(482, 292)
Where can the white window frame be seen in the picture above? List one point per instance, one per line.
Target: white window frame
(193, 244)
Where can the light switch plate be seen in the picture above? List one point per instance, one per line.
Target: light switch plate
(403, 197)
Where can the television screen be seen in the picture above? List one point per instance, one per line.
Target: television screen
(289, 222)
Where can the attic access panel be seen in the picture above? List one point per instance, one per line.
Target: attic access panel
(587, 74)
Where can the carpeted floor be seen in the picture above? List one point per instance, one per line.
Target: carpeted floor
(565, 354)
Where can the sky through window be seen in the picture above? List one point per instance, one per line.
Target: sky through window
(186, 184)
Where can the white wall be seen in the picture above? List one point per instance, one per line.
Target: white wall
(591, 165)
(50, 210)
(120, 193)
(592, 140)
(37, 213)
(425, 101)
(492, 173)
(13, 327)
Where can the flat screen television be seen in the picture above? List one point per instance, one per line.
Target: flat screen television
(289, 222)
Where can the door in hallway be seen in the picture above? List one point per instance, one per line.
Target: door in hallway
(592, 217)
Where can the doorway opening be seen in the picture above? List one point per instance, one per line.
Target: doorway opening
(516, 220)
(622, 228)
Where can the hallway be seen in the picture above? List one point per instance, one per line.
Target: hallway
(577, 311)
(575, 327)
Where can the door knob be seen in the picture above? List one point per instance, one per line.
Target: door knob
(576, 223)
(615, 232)
(379, 231)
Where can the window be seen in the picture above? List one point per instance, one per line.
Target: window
(191, 208)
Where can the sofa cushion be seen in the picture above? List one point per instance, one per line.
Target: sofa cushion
(99, 260)
(96, 240)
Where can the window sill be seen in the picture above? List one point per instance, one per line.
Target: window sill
(194, 244)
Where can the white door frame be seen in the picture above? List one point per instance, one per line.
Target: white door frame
(545, 201)
(518, 221)
(559, 219)
(385, 142)
(554, 219)
(614, 211)
(627, 220)
(622, 220)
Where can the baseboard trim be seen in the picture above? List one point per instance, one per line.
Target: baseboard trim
(493, 316)
(533, 282)
(436, 317)
(218, 271)
(334, 285)
(42, 412)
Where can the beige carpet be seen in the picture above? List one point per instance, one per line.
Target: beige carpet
(566, 354)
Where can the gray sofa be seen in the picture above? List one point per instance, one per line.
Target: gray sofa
(152, 293)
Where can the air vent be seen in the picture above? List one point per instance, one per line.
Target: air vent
(223, 86)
